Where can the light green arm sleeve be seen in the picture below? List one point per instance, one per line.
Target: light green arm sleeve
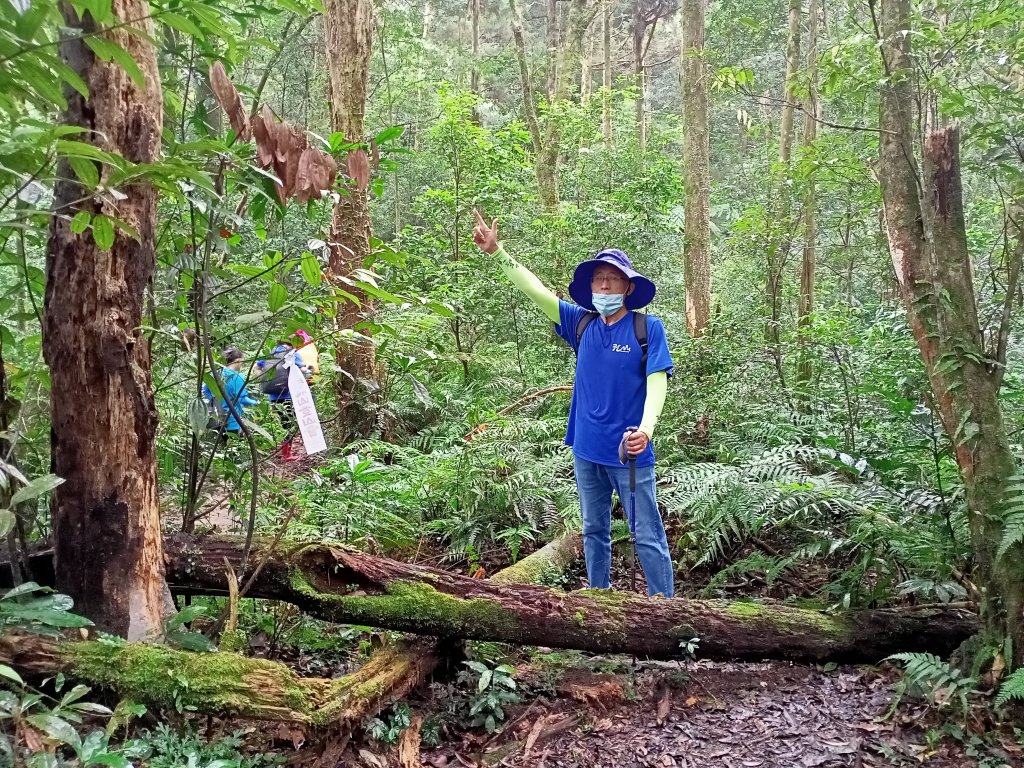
(657, 386)
(530, 284)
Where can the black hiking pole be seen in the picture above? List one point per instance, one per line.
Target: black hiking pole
(625, 456)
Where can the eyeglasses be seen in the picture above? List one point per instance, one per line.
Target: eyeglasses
(609, 279)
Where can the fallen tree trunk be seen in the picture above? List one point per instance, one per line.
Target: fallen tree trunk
(229, 684)
(395, 670)
(349, 587)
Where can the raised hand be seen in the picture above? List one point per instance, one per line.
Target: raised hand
(486, 237)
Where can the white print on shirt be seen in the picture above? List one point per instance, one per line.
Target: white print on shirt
(621, 348)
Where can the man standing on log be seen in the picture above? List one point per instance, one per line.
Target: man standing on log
(619, 384)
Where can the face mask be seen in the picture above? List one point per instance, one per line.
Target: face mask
(608, 303)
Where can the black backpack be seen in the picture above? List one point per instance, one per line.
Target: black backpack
(639, 330)
(276, 378)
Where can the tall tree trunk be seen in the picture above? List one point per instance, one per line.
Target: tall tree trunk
(551, 47)
(606, 80)
(808, 261)
(547, 142)
(348, 32)
(778, 253)
(639, 26)
(106, 516)
(927, 238)
(474, 75)
(696, 162)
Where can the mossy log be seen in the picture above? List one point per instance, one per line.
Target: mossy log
(395, 670)
(215, 683)
(340, 585)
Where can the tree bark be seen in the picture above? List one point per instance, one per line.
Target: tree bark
(926, 231)
(606, 79)
(106, 514)
(348, 33)
(639, 27)
(778, 254)
(353, 588)
(697, 169)
(474, 74)
(808, 261)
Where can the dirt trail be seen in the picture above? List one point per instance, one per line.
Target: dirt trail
(769, 715)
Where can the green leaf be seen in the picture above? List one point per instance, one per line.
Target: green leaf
(71, 148)
(109, 51)
(49, 617)
(86, 171)
(103, 232)
(485, 680)
(9, 674)
(7, 521)
(389, 133)
(278, 296)
(27, 588)
(57, 728)
(180, 23)
(311, 269)
(37, 487)
(81, 222)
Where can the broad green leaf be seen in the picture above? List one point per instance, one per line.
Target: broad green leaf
(278, 296)
(103, 232)
(37, 487)
(9, 674)
(389, 133)
(28, 588)
(311, 269)
(86, 171)
(81, 222)
(7, 521)
(180, 23)
(57, 728)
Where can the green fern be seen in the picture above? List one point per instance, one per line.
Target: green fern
(1012, 688)
(938, 680)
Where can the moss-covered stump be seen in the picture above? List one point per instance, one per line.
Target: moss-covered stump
(350, 587)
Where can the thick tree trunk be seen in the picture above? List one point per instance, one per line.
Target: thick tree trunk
(106, 515)
(394, 671)
(808, 262)
(927, 240)
(551, 46)
(353, 588)
(348, 32)
(697, 169)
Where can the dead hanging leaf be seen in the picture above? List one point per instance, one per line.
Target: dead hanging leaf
(263, 131)
(303, 171)
(359, 168)
(226, 95)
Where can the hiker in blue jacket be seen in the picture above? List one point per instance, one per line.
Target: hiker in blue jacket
(275, 386)
(234, 390)
(615, 388)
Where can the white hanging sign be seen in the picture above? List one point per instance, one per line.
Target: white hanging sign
(305, 409)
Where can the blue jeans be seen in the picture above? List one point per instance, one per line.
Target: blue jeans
(595, 483)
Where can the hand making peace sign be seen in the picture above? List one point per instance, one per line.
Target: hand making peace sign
(486, 237)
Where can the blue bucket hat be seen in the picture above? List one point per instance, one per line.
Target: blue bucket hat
(579, 288)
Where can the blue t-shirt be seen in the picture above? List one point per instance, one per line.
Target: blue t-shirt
(610, 388)
(234, 387)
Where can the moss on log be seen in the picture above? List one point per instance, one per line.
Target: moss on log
(350, 587)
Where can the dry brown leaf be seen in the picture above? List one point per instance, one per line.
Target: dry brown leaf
(262, 129)
(359, 168)
(691, 700)
(664, 707)
(33, 739)
(534, 734)
(226, 95)
(600, 695)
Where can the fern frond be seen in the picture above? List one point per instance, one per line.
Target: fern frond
(1012, 688)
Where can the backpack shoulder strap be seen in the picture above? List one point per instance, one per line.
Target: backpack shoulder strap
(581, 326)
(640, 330)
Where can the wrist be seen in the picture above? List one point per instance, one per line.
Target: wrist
(647, 429)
